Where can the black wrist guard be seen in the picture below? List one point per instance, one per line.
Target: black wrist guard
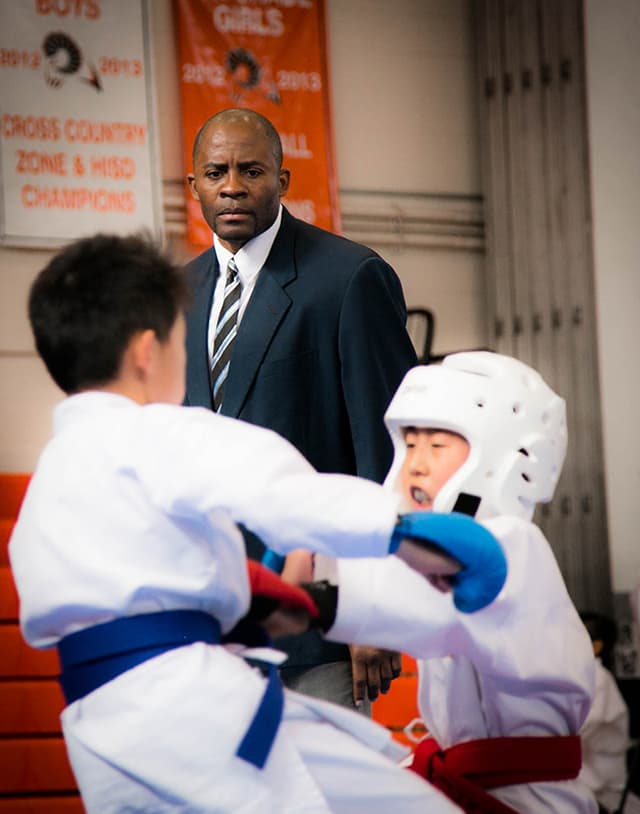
(325, 595)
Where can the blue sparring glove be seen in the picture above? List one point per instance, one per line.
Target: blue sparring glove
(273, 561)
(484, 566)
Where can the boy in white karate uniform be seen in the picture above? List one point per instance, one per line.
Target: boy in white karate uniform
(507, 687)
(127, 557)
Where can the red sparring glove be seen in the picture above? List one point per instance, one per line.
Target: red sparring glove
(269, 591)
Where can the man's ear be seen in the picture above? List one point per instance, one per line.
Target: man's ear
(140, 353)
(283, 181)
(192, 186)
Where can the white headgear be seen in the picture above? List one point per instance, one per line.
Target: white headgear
(514, 423)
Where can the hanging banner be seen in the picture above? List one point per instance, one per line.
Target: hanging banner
(77, 147)
(270, 56)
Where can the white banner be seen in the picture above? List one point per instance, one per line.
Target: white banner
(77, 145)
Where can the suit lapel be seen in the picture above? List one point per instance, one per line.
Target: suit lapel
(265, 311)
(203, 275)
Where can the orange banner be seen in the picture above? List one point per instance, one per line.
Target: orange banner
(270, 56)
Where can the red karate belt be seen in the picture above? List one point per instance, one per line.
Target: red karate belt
(464, 771)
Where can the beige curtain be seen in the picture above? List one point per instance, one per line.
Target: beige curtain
(540, 282)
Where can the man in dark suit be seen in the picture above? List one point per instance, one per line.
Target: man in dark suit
(317, 344)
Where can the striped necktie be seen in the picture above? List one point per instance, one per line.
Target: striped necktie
(226, 330)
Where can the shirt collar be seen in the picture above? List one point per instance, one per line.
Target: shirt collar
(253, 255)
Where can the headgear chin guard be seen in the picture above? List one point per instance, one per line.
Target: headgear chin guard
(514, 423)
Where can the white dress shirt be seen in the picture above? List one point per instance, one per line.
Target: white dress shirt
(249, 261)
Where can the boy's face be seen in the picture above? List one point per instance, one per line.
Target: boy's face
(432, 458)
(168, 379)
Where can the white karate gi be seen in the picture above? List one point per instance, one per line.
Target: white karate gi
(605, 741)
(521, 666)
(131, 511)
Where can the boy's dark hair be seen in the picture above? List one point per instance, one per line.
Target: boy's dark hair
(93, 297)
(602, 628)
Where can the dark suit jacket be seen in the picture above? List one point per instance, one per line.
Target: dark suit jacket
(320, 351)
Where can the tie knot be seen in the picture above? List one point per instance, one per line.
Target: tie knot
(232, 270)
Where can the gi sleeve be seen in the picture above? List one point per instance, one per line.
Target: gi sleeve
(209, 465)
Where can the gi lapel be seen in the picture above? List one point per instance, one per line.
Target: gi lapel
(265, 311)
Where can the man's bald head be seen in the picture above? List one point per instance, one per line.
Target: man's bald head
(236, 115)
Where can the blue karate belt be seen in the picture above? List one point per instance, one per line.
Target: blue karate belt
(96, 655)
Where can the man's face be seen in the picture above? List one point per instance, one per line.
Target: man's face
(433, 456)
(237, 181)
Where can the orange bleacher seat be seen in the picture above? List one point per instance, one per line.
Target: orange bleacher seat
(409, 664)
(21, 661)
(30, 707)
(6, 527)
(35, 764)
(13, 485)
(51, 804)
(399, 706)
(8, 596)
